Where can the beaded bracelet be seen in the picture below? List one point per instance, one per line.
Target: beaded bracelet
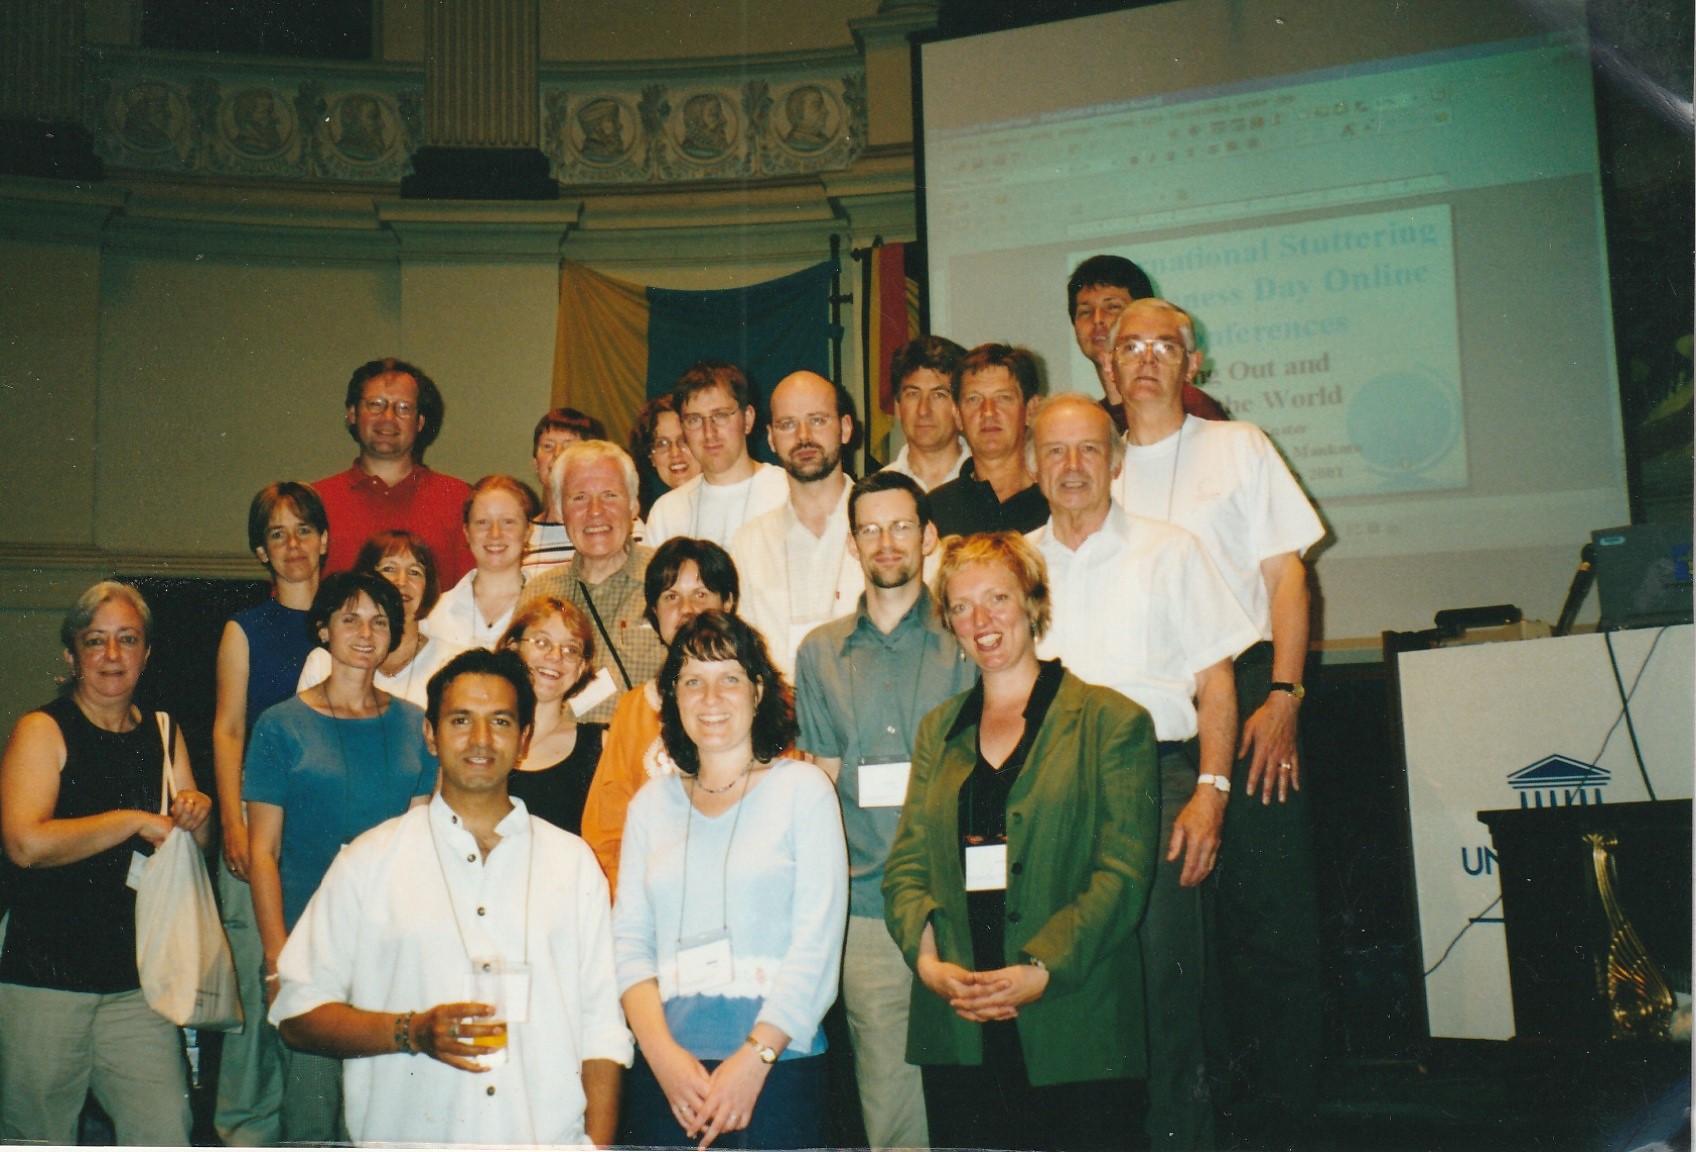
(403, 1033)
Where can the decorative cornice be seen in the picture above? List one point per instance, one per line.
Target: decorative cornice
(479, 229)
(41, 558)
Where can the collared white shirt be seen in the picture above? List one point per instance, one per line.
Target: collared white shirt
(1224, 482)
(716, 511)
(903, 465)
(793, 581)
(392, 929)
(1139, 608)
(457, 624)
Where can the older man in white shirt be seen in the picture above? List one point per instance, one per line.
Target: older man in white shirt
(380, 970)
(1140, 608)
(793, 561)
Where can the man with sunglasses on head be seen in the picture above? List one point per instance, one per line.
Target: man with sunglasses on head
(394, 413)
(715, 405)
(1225, 483)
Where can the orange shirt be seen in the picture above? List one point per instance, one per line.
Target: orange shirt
(631, 755)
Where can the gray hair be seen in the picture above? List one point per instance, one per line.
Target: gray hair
(1072, 400)
(1186, 325)
(587, 452)
(82, 612)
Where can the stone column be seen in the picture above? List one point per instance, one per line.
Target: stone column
(41, 129)
(481, 114)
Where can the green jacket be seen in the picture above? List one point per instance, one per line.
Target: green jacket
(1082, 833)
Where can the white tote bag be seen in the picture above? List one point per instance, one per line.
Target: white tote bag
(186, 972)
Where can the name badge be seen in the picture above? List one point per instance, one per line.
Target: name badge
(602, 688)
(986, 867)
(704, 962)
(137, 863)
(884, 785)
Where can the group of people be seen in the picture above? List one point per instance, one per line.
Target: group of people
(520, 790)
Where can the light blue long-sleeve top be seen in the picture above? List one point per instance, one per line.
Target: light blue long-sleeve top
(786, 906)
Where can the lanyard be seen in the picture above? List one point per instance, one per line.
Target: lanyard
(789, 567)
(347, 765)
(724, 883)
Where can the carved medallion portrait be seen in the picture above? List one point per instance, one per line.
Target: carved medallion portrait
(599, 131)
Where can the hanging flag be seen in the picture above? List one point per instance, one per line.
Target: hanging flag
(616, 344)
(893, 313)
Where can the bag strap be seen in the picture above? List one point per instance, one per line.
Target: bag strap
(612, 648)
(168, 790)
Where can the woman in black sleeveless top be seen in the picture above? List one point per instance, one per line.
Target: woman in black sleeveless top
(80, 799)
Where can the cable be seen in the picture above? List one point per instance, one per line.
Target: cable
(1625, 699)
(1465, 928)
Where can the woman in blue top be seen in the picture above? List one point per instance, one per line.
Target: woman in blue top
(259, 660)
(732, 903)
(322, 767)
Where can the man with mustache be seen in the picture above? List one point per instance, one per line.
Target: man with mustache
(794, 563)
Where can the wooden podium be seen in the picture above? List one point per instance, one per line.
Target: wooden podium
(1596, 903)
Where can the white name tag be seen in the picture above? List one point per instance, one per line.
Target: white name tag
(884, 785)
(986, 867)
(602, 688)
(137, 863)
(704, 962)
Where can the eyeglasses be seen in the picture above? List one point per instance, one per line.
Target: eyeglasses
(720, 419)
(377, 405)
(662, 447)
(899, 529)
(789, 425)
(1164, 351)
(544, 646)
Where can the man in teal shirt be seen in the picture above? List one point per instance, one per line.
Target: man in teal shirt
(862, 684)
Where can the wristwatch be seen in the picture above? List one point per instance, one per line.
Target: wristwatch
(1220, 783)
(1296, 690)
(766, 1053)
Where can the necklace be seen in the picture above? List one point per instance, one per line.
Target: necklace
(742, 775)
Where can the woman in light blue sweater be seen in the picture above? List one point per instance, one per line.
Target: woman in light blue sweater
(732, 903)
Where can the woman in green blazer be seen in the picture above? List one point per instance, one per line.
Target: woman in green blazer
(1018, 875)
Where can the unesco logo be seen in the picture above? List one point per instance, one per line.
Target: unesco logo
(1558, 781)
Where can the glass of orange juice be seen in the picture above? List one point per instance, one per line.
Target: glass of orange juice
(488, 986)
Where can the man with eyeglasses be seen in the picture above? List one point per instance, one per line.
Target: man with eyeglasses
(1098, 290)
(1139, 608)
(1225, 483)
(394, 413)
(862, 684)
(922, 371)
(793, 560)
(715, 406)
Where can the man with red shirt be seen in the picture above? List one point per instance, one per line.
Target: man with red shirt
(394, 413)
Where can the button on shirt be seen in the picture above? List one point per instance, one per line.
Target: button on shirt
(392, 930)
(791, 578)
(1139, 608)
(859, 697)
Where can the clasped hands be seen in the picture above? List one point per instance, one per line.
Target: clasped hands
(707, 1104)
(983, 996)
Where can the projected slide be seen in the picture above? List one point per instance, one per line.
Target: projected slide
(1386, 220)
(1357, 406)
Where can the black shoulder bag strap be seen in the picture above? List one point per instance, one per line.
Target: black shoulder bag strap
(602, 629)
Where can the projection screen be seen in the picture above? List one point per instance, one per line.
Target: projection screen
(1387, 221)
